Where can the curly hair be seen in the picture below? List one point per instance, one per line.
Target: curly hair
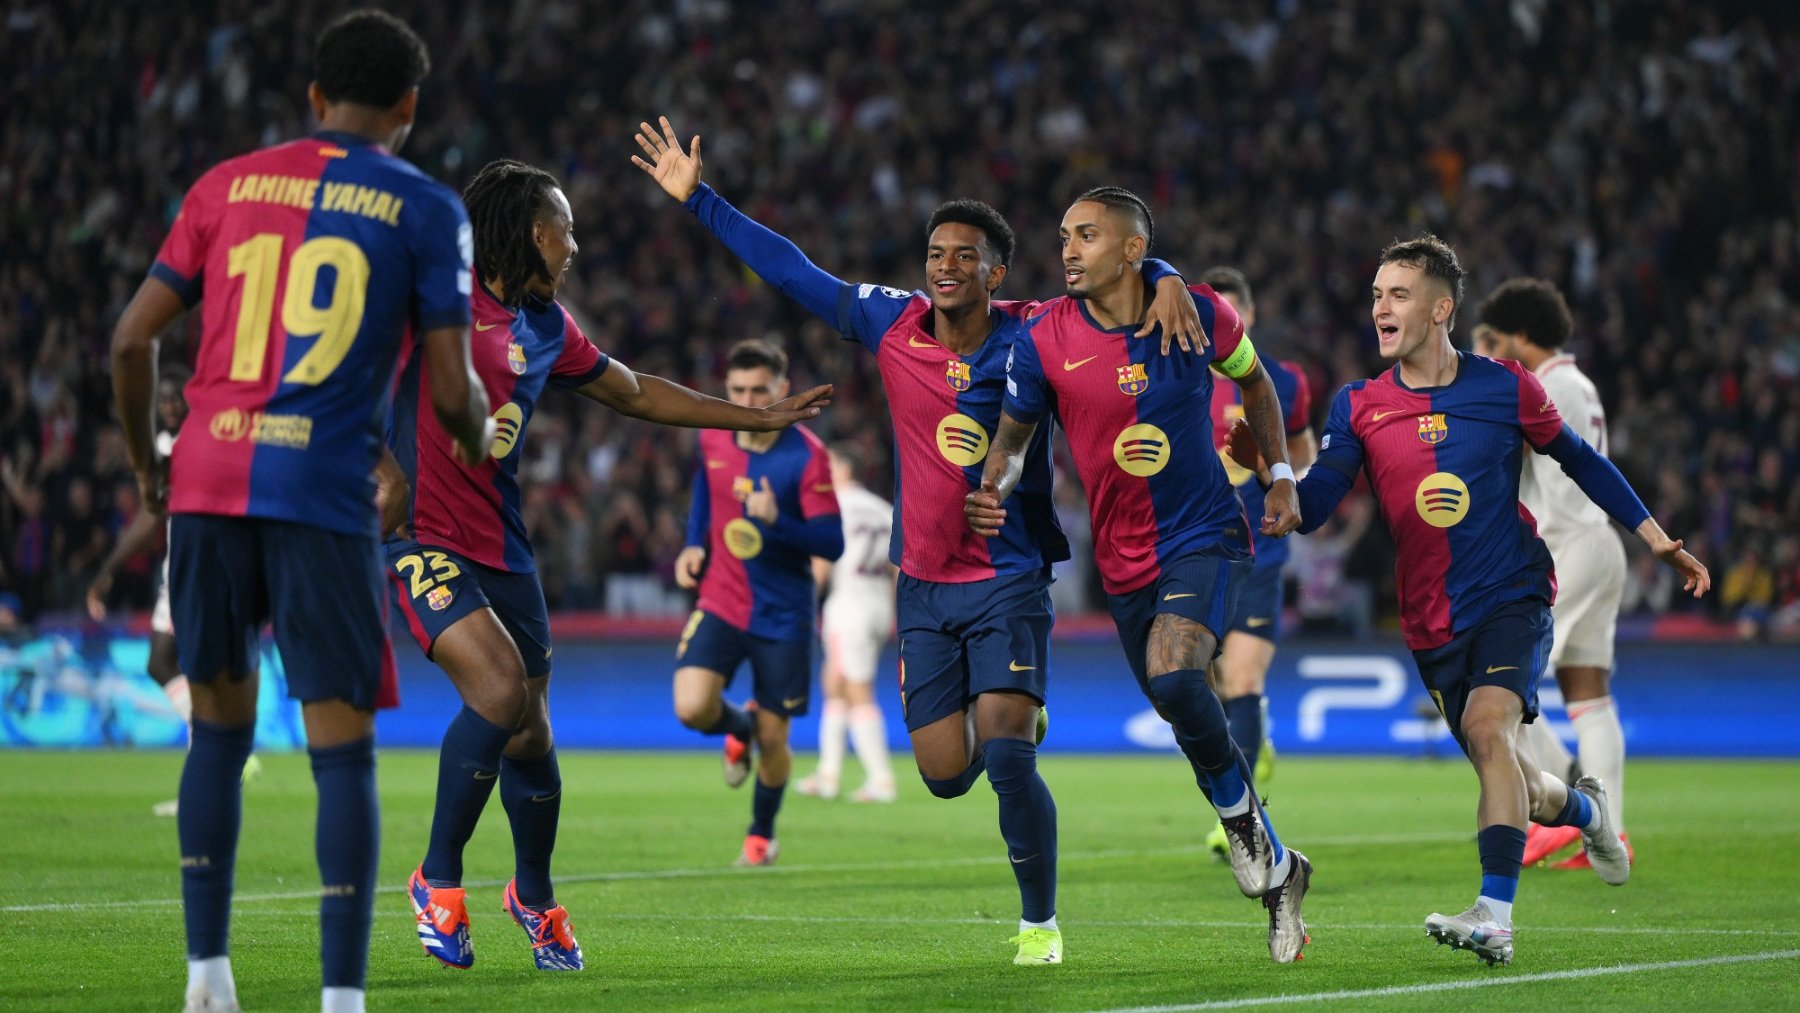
(369, 58)
(1532, 307)
(504, 199)
(973, 212)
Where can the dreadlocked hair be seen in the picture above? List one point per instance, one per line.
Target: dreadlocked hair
(1121, 199)
(503, 200)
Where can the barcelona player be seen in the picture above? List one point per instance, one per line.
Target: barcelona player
(763, 508)
(462, 573)
(1441, 436)
(973, 614)
(315, 262)
(1242, 669)
(1171, 541)
(1528, 320)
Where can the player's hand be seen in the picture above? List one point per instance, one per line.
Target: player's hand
(96, 595)
(983, 510)
(760, 504)
(1697, 579)
(1174, 310)
(799, 408)
(688, 566)
(1240, 443)
(470, 457)
(393, 500)
(1281, 509)
(676, 171)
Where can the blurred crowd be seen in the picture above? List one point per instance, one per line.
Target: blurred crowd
(1644, 156)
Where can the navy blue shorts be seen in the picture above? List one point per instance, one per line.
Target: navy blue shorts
(433, 588)
(231, 576)
(1258, 611)
(1202, 586)
(780, 670)
(1510, 648)
(958, 641)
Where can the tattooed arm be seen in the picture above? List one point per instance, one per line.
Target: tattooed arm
(1262, 410)
(1005, 463)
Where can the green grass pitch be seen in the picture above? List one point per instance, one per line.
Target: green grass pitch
(908, 906)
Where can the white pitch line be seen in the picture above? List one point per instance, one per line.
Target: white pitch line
(1452, 986)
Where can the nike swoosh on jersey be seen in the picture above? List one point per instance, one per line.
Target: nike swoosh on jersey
(1016, 667)
(1185, 594)
(485, 327)
(1378, 416)
(1069, 367)
(1502, 668)
(1254, 621)
(916, 343)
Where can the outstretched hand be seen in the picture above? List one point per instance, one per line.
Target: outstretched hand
(676, 171)
(1696, 578)
(799, 408)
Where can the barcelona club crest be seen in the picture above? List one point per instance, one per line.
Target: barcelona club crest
(956, 374)
(515, 357)
(1432, 428)
(439, 598)
(1132, 379)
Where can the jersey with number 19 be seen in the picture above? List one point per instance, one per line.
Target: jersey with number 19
(322, 258)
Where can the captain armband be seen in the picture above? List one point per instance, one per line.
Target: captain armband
(1241, 361)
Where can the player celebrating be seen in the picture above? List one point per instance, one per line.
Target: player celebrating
(464, 577)
(1440, 436)
(973, 614)
(856, 622)
(1242, 669)
(763, 507)
(1526, 319)
(313, 260)
(1170, 537)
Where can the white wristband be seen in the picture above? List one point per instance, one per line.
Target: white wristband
(1280, 470)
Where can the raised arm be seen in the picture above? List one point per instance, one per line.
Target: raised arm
(999, 477)
(654, 399)
(773, 258)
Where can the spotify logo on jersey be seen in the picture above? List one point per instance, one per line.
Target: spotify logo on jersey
(508, 421)
(1442, 499)
(742, 539)
(1142, 450)
(961, 440)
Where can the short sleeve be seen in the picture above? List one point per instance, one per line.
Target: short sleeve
(444, 254)
(181, 262)
(1026, 396)
(580, 361)
(1538, 416)
(867, 312)
(1233, 355)
(1340, 449)
(818, 496)
(1299, 404)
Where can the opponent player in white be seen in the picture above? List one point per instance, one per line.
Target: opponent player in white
(858, 621)
(1526, 319)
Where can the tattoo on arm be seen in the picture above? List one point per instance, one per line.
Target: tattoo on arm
(1262, 409)
(1006, 458)
(1177, 642)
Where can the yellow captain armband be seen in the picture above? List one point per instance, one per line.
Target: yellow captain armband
(1241, 362)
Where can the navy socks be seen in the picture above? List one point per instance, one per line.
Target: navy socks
(347, 843)
(1027, 823)
(468, 766)
(531, 791)
(207, 823)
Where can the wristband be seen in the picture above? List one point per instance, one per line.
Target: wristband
(1280, 470)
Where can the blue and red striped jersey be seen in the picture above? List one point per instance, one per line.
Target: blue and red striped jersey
(1444, 466)
(1296, 415)
(759, 576)
(517, 354)
(946, 407)
(1140, 430)
(318, 259)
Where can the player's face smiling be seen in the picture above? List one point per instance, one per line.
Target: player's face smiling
(960, 267)
(555, 238)
(1404, 301)
(1094, 250)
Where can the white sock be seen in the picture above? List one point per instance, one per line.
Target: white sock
(1051, 924)
(177, 692)
(1278, 876)
(831, 743)
(1548, 747)
(1501, 910)
(341, 1000)
(212, 979)
(868, 733)
(1601, 740)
